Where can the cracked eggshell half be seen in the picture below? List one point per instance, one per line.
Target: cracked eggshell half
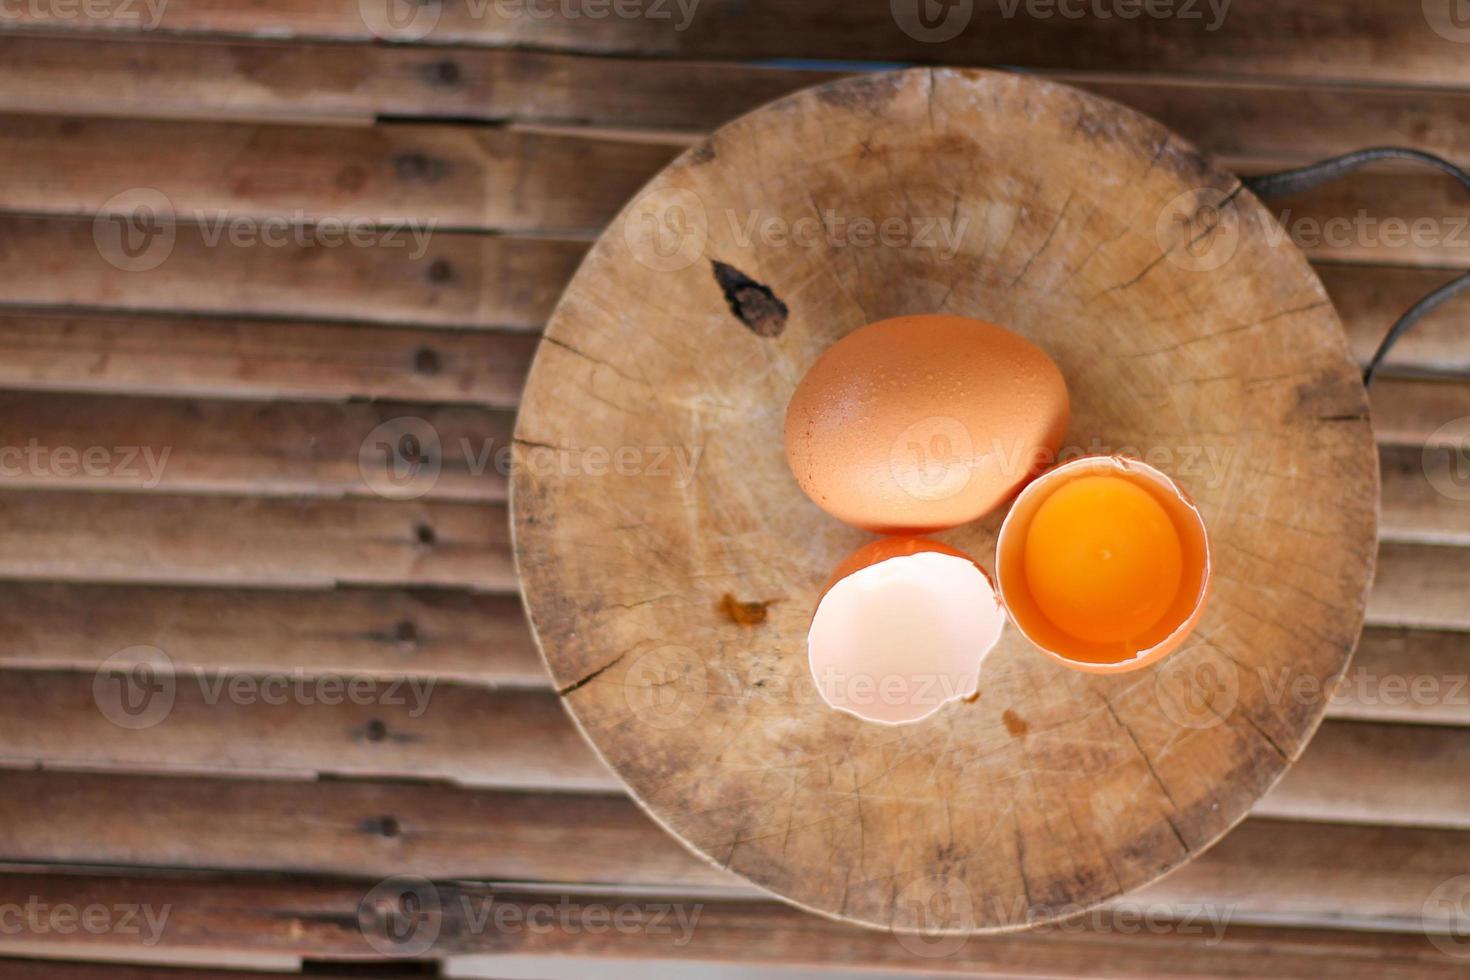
(902, 629)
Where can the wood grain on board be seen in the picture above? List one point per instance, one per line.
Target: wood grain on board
(1064, 263)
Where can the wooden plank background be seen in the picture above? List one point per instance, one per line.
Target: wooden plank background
(354, 694)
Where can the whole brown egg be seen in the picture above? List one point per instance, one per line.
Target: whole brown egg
(920, 423)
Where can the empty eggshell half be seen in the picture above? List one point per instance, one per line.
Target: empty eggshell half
(902, 629)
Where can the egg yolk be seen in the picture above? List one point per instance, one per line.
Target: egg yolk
(1103, 560)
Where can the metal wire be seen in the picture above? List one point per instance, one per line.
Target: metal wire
(1302, 179)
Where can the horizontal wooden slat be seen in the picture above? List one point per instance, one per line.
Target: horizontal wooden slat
(1426, 498)
(438, 178)
(1337, 875)
(356, 828)
(292, 724)
(310, 449)
(485, 639)
(194, 720)
(317, 918)
(1365, 772)
(260, 359)
(1361, 39)
(1423, 586)
(461, 280)
(257, 541)
(420, 177)
(1405, 218)
(1264, 870)
(162, 76)
(469, 280)
(19, 968)
(1416, 412)
(356, 83)
(1407, 675)
(235, 358)
(425, 633)
(1370, 300)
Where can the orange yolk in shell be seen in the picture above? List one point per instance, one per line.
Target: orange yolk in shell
(1103, 560)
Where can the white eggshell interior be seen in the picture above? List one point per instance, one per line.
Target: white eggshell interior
(896, 641)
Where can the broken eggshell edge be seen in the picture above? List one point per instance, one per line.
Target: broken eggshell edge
(962, 681)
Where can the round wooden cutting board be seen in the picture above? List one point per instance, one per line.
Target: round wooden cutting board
(671, 565)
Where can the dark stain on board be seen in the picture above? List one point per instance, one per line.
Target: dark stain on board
(745, 613)
(1014, 723)
(752, 303)
(863, 93)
